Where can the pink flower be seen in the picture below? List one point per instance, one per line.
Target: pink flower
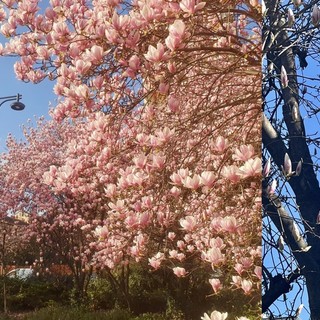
(258, 272)
(96, 54)
(192, 183)
(189, 6)
(156, 54)
(231, 173)
(221, 144)
(82, 66)
(156, 260)
(158, 161)
(229, 224)
(244, 153)
(179, 272)
(215, 315)
(239, 268)
(208, 178)
(251, 167)
(176, 33)
(246, 286)
(173, 103)
(214, 256)
(236, 280)
(171, 236)
(177, 29)
(189, 223)
(216, 284)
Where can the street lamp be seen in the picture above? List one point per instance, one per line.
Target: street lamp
(17, 105)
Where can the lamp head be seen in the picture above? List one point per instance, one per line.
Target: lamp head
(17, 105)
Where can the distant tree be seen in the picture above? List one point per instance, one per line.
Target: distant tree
(164, 164)
(291, 142)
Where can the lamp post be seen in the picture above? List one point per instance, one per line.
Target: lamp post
(16, 105)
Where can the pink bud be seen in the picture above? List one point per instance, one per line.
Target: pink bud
(287, 165)
(216, 284)
(299, 168)
(266, 168)
(284, 77)
(318, 218)
(281, 243)
(291, 18)
(272, 188)
(297, 3)
(315, 15)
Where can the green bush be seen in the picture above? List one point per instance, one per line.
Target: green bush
(100, 294)
(151, 316)
(30, 294)
(69, 313)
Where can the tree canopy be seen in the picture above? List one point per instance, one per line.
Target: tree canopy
(155, 143)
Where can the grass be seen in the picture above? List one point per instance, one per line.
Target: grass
(73, 313)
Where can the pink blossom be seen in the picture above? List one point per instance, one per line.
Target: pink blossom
(173, 103)
(82, 66)
(190, 6)
(156, 260)
(251, 167)
(189, 223)
(215, 315)
(239, 268)
(214, 256)
(179, 272)
(208, 178)
(216, 284)
(192, 183)
(258, 272)
(246, 286)
(156, 54)
(177, 29)
(231, 173)
(171, 236)
(236, 280)
(229, 224)
(221, 144)
(244, 153)
(96, 54)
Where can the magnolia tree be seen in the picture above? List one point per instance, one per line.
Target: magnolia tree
(163, 165)
(53, 223)
(290, 143)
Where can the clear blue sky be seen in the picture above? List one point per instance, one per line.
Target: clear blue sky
(35, 97)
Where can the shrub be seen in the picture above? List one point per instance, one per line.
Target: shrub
(69, 313)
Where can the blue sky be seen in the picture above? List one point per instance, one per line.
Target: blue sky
(35, 97)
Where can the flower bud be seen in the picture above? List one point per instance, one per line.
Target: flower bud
(284, 77)
(291, 18)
